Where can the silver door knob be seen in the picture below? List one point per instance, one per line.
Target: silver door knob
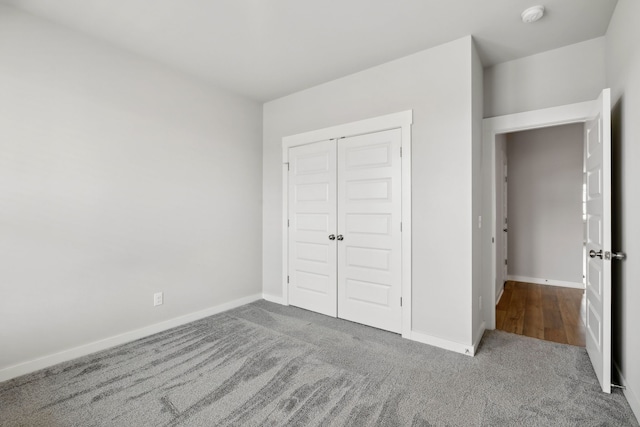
(594, 254)
(340, 237)
(332, 237)
(618, 255)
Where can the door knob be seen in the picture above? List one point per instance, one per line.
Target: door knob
(340, 237)
(618, 255)
(332, 237)
(594, 254)
(615, 255)
(505, 230)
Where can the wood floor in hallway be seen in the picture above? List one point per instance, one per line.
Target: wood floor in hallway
(550, 313)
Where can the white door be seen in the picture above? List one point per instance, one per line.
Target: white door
(505, 230)
(312, 222)
(369, 234)
(598, 169)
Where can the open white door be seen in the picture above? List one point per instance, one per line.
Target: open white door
(505, 217)
(312, 222)
(598, 169)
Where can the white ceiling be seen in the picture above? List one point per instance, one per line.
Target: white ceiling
(265, 49)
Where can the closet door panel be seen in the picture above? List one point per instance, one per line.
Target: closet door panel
(369, 214)
(312, 219)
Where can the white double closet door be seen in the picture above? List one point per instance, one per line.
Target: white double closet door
(344, 230)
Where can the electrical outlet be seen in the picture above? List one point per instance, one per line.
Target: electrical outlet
(158, 299)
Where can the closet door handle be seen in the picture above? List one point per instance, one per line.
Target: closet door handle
(340, 237)
(594, 254)
(332, 237)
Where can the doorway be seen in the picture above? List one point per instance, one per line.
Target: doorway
(543, 234)
(596, 115)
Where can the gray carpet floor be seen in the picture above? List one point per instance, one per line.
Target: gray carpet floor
(268, 365)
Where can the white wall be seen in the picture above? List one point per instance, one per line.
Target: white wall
(118, 179)
(561, 76)
(623, 76)
(544, 204)
(476, 182)
(436, 84)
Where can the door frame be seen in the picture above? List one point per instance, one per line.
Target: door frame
(501, 189)
(555, 116)
(401, 120)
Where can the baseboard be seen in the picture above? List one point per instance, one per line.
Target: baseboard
(478, 337)
(83, 350)
(442, 343)
(632, 397)
(273, 298)
(500, 295)
(418, 336)
(550, 282)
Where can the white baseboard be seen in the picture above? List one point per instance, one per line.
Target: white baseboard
(632, 397)
(83, 350)
(442, 343)
(500, 295)
(273, 298)
(478, 337)
(417, 336)
(550, 282)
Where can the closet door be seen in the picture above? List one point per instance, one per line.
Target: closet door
(312, 227)
(369, 236)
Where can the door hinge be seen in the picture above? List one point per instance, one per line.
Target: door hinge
(400, 151)
(400, 301)
(287, 223)
(288, 168)
(287, 279)
(505, 262)
(401, 226)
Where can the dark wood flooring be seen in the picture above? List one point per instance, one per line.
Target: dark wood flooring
(550, 313)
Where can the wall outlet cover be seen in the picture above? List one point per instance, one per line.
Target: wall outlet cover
(158, 299)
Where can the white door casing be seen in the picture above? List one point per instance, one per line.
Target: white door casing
(312, 219)
(369, 221)
(598, 272)
(401, 121)
(501, 237)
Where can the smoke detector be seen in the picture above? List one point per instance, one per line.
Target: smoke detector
(532, 14)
